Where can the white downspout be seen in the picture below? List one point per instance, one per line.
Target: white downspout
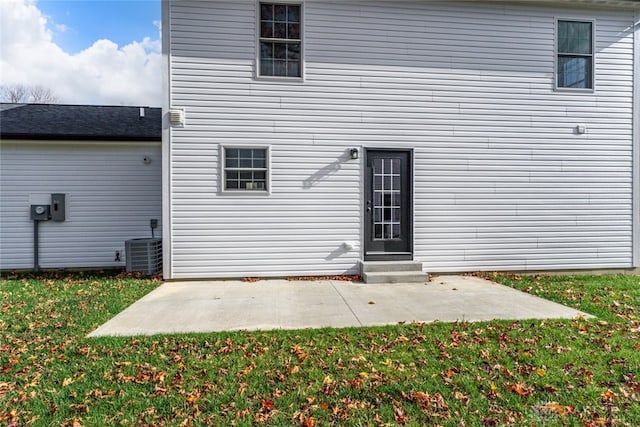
(636, 140)
(167, 217)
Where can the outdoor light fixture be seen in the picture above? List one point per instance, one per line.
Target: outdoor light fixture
(354, 153)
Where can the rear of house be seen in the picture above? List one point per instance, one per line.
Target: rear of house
(301, 138)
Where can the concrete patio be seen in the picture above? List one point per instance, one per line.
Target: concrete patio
(209, 306)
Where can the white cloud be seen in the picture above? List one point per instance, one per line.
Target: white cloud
(104, 73)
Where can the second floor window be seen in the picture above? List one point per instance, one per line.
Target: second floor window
(574, 62)
(280, 40)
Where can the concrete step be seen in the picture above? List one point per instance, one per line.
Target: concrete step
(394, 277)
(387, 266)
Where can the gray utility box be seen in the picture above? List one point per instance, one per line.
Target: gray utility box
(144, 255)
(40, 213)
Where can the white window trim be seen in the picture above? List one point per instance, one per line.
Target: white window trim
(223, 171)
(256, 67)
(593, 56)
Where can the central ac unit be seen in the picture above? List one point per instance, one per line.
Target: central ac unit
(144, 255)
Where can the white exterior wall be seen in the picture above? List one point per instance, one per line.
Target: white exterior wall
(111, 196)
(501, 180)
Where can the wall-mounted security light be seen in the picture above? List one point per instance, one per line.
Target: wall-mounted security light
(581, 129)
(354, 153)
(146, 160)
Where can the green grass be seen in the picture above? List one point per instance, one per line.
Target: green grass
(551, 373)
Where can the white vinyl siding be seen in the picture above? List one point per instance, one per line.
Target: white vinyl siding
(501, 179)
(111, 195)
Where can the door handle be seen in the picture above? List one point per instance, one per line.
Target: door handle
(368, 205)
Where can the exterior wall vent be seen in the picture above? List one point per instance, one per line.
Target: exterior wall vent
(176, 117)
(144, 256)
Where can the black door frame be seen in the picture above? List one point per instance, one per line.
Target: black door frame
(407, 215)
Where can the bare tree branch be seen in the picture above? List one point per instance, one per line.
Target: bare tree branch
(42, 95)
(16, 93)
(35, 94)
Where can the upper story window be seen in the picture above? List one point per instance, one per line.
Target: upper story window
(574, 62)
(280, 40)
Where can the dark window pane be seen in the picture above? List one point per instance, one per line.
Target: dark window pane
(279, 68)
(266, 50)
(387, 214)
(386, 231)
(378, 231)
(266, 67)
(293, 69)
(245, 153)
(377, 198)
(574, 37)
(260, 175)
(293, 13)
(266, 29)
(396, 231)
(247, 176)
(293, 31)
(280, 50)
(245, 163)
(293, 51)
(395, 215)
(377, 182)
(266, 12)
(377, 215)
(259, 163)
(575, 72)
(232, 185)
(387, 183)
(259, 154)
(280, 31)
(231, 152)
(396, 182)
(231, 162)
(280, 13)
(563, 37)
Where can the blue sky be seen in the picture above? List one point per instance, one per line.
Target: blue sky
(100, 52)
(77, 24)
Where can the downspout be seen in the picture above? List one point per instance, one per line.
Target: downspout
(636, 140)
(167, 217)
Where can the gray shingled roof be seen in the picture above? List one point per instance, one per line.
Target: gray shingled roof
(79, 122)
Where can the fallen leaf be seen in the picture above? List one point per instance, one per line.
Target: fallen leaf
(521, 389)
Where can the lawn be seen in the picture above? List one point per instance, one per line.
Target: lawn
(553, 372)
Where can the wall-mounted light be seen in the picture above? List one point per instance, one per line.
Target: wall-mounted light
(146, 160)
(580, 129)
(354, 154)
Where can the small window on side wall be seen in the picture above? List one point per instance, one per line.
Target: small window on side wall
(280, 44)
(246, 169)
(575, 59)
